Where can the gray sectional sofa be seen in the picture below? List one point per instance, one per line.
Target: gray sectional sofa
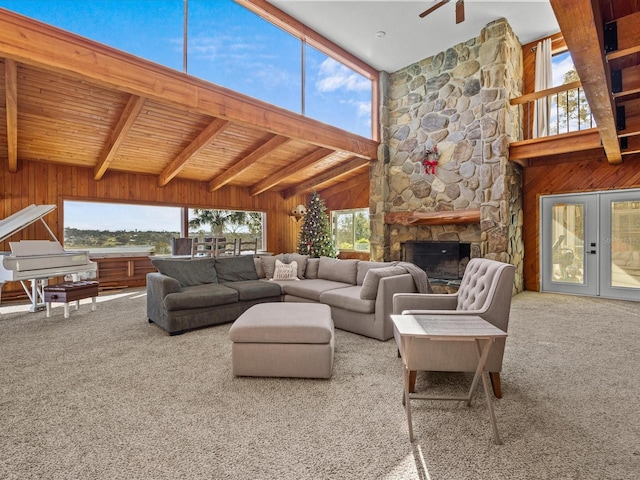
(192, 293)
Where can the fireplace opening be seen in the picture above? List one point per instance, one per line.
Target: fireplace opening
(444, 262)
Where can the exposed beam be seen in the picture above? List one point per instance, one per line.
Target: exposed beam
(555, 145)
(352, 164)
(31, 42)
(202, 140)
(118, 134)
(235, 170)
(296, 167)
(354, 183)
(628, 36)
(581, 24)
(11, 102)
(630, 82)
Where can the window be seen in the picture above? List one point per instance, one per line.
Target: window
(119, 227)
(230, 224)
(351, 230)
(227, 44)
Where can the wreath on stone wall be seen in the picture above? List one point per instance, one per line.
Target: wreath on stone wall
(430, 159)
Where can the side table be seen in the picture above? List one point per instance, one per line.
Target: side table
(414, 330)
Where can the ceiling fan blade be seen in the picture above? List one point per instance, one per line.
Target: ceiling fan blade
(435, 7)
(459, 11)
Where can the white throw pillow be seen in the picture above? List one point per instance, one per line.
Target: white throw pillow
(286, 271)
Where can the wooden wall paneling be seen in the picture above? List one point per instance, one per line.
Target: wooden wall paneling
(50, 183)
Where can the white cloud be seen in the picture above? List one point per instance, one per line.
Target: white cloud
(335, 76)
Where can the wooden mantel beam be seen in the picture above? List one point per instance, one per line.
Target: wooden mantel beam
(11, 102)
(119, 133)
(28, 41)
(581, 24)
(449, 217)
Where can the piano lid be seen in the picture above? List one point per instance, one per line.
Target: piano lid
(22, 219)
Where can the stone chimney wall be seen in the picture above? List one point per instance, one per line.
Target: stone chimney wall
(459, 101)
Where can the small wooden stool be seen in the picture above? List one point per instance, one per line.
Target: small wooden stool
(70, 292)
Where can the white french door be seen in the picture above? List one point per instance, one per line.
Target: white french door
(590, 244)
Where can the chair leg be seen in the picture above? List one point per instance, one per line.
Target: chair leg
(495, 383)
(412, 381)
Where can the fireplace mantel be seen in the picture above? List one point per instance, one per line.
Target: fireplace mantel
(449, 217)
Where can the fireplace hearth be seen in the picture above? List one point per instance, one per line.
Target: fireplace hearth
(444, 262)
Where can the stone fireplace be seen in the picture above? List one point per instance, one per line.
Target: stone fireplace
(458, 101)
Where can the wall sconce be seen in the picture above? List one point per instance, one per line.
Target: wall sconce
(298, 212)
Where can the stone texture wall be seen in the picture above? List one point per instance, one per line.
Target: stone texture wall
(459, 101)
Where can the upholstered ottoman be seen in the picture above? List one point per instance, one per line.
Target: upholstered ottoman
(283, 340)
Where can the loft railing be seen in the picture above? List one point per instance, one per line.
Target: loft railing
(568, 110)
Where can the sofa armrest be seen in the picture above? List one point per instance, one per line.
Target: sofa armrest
(388, 287)
(424, 301)
(158, 287)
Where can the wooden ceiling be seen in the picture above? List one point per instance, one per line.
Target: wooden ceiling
(68, 100)
(616, 110)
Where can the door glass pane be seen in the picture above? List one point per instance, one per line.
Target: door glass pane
(567, 234)
(625, 244)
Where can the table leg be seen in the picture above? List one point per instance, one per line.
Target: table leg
(66, 309)
(492, 415)
(93, 304)
(407, 380)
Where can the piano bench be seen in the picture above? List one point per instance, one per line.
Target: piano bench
(70, 292)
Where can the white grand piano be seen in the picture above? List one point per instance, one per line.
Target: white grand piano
(36, 261)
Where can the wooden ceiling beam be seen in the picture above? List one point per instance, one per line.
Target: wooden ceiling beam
(581, 25)
(305, 162)
(11, 102)
(630, 82)
(34, 43)
(349, 166)
(628, 36)
(235, 170)
(127, 118)
(202, 140)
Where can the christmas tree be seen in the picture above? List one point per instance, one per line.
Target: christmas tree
(315, 236)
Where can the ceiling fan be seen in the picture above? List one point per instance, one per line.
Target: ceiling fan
(459, 9)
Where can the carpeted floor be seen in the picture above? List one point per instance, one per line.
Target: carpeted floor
(105, 395)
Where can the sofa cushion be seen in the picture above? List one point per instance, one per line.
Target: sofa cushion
(257, 261)
(310, 289)
(188, 272)
(348, 299)
(372, 280)
(312, 268)
(254, 289)
(285, 271)
(364, 266)
(301, 261)
(236, 269)
(269, 264)
(200, 296)
(338, 270)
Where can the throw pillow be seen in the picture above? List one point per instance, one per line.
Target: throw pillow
(369, 289)
(301, 260)
(187, 272)
(269, 264)
(311, 271)
(285, 271)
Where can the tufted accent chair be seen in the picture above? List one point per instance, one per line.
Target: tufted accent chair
(485, 290)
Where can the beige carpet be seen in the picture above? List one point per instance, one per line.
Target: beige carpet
(105, 395)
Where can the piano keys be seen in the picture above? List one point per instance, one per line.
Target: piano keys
(36, 261)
